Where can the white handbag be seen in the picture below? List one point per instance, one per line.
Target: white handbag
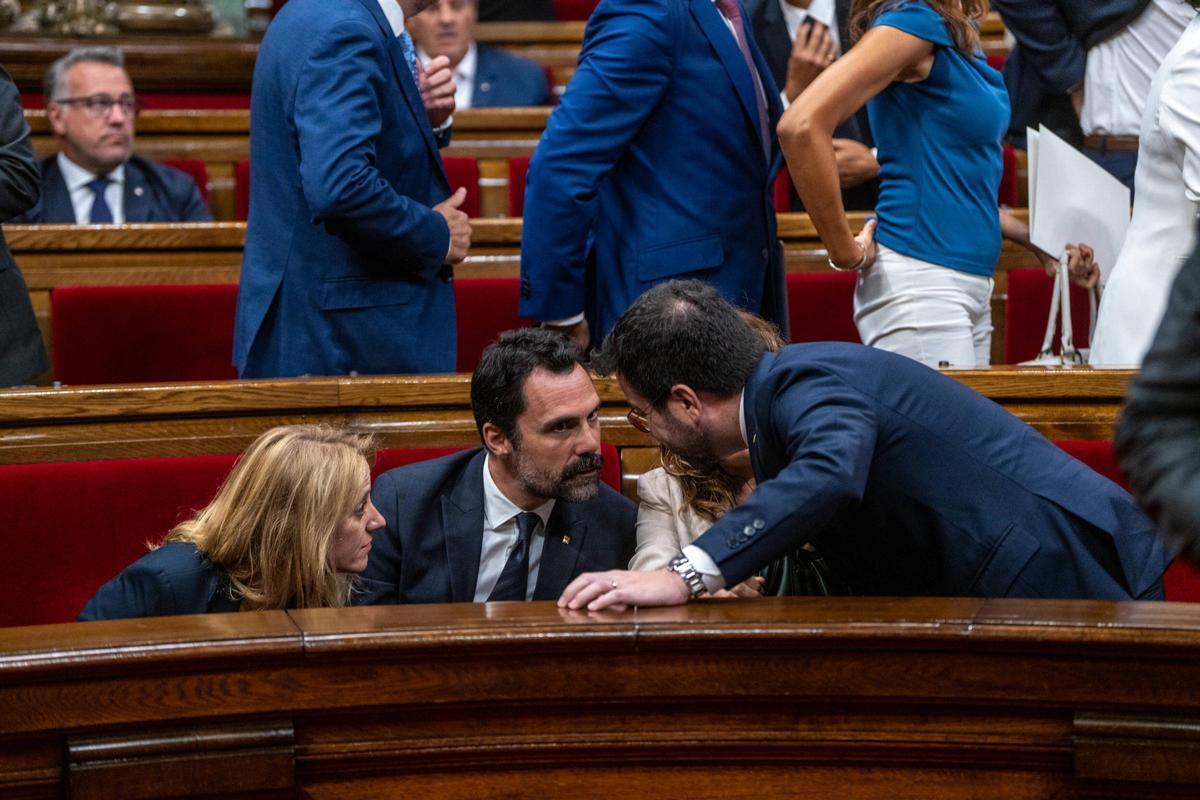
(1060, 305)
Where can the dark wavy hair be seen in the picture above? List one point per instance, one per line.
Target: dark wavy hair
(498, 384)
(962, 19)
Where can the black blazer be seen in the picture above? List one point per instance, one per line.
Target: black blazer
(771, 33)
(1158, 438)
(429, 550)
(174, 579)
(22, 355)
(153, 193)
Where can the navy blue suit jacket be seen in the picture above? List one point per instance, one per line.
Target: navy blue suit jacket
(429, 551)
(174, 579)
(344, 266)
(909, 483)
(504, 80)
(152, 193)
(653, 167)
(1052, 40)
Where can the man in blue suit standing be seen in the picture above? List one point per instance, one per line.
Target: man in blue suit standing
(656, 164)
(484, 76)
(520, 517)
(906, 481)
(352, 227)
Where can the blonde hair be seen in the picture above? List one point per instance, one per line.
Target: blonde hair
(962, 19)
(272, 523)
(712, 491)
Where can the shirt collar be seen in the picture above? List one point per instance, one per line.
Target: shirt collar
(465, 71)
(822, 11)
(76, 177)
(742, 418)
(498, 509)
(395, 15)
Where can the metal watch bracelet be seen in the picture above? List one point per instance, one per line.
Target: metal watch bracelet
(682, 567)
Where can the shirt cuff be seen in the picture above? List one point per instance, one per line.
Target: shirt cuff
(445, 126)
(714, 581)
(564, 323)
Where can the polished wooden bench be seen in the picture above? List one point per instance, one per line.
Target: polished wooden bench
(868, 698)
(221, 417)
(53, 256)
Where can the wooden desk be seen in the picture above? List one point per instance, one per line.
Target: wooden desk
(103, 422)
(865, 698)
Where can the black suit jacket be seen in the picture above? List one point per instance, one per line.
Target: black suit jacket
(429, 550)
(1158, 438)
(771, 33)
(22, 356)
(153, 193)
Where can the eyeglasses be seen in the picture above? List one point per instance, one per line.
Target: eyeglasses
(638, 419)
(99, 106)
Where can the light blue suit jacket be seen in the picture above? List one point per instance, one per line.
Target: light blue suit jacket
(652, 167)
(344, 262)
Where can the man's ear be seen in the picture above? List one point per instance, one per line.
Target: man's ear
(54, 113)
(496, 441)
(686, 401)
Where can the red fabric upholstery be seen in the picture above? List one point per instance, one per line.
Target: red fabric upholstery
(140, 334)
(1025, 313)
(69, 527)
(1008, 195)
(996, 61)
(464, 172)
(194, 167)
(781, 191)
(241, 190)
(569, 10)
(821, 306)
(1182, 581)
(485, 307)
(517, 169)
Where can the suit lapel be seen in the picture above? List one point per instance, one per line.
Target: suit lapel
(404, 79)
(136, 193)
(485, 77)
(750, 403)
(462, 525)
(56, 202)
(718, 34)
(564, 540)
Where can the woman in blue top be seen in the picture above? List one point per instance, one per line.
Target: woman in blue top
(938, 113)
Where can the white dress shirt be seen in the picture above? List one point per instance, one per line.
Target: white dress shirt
(395, 15)
(822, 11)
(500, 535)
(464, 75)
(82, 197)
(1119, 70)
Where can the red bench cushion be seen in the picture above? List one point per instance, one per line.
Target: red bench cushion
(464, 172)
(1026, 310)
(141, 334)
(821, 306)
(485, 307)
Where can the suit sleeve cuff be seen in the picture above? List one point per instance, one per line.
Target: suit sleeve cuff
(702, 561)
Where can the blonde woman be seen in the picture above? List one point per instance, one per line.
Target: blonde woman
(288, 528)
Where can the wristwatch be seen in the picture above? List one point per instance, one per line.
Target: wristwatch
(682, 567)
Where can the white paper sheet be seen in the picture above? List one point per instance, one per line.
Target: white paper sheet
(1031, 152)
(1077, 202)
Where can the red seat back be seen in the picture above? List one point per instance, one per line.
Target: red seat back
(821, 306)
(485, 307)
(1009, 186)
(574, 10)
(781, 191)
(241, 190)
(1181, 581)
(518, 168)
(464, 172)
(194, 167)
(69, 527)
(142, 334)
(1026, 310)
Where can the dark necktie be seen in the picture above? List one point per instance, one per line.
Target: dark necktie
(730, 10)
(101, 213)
(515, 577)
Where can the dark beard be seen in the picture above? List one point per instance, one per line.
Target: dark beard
(690, 445)
(566, 485)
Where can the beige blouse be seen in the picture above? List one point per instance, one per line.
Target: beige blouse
(665, 524)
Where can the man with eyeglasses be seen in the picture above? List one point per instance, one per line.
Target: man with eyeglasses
(95, 178)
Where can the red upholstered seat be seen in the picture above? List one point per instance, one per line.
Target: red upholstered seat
(194, 167)
(464, 172)
(241, 190)
(569, 10)
(518, 167)
(69, 527)
(1025, 313)
(1182, 580)
(821, 306)
(140, 334)
(781, 192)
(1008, 195)
(485, 307)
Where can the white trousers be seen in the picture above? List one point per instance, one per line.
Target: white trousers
(932, 314)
